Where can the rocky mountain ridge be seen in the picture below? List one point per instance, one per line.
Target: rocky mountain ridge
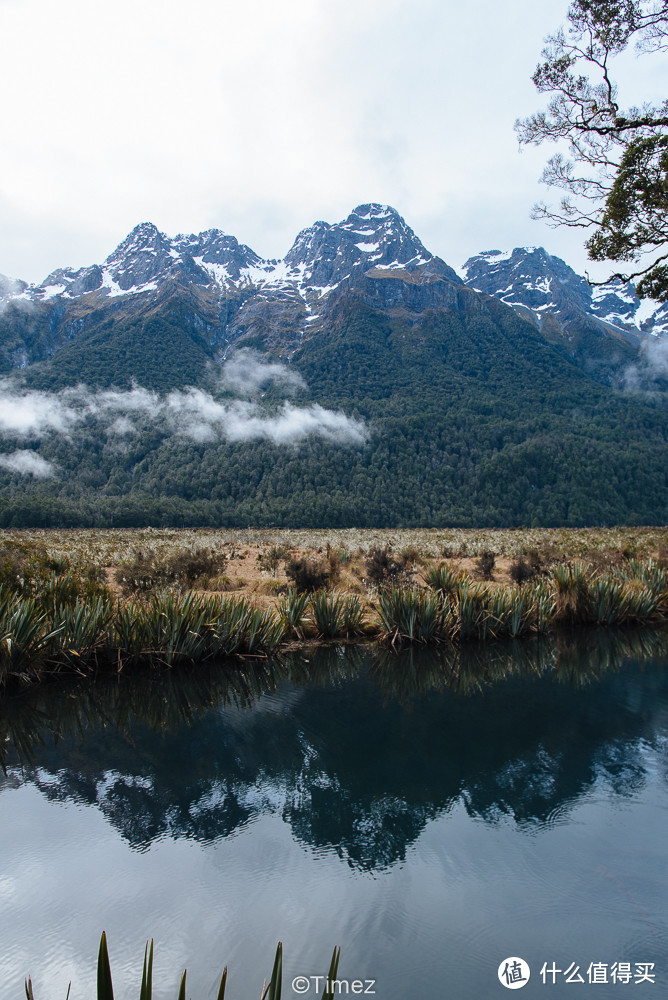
(222, 294)
(360, 381)
(543, 287)
(320, 258)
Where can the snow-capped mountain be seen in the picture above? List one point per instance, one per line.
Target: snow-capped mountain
(373, 236)
(188, 380)
(226, 290)
(211, 287)
(530, 279)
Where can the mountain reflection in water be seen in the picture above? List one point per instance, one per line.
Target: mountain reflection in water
(356, 748)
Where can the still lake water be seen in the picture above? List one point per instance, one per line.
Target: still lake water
(433, 813)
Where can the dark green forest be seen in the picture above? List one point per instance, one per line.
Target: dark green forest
(473, 419)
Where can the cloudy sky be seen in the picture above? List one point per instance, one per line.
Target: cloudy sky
(259, 118)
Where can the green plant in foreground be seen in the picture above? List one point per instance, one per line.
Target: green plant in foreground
(25, 636)
(292, 611)
(336, 615)
(444, 578)
(412, 616)
(270, 991)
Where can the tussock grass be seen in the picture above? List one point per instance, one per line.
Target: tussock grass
(292, 610)
(111, 547)
(168, 630)
(413, 616)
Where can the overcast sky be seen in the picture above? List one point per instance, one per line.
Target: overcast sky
(260, 117)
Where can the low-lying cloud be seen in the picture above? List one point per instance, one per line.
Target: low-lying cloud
(33, 414)
(197, 415)
(191, 413)
(248, 372)
(27, 463)
(653, 365)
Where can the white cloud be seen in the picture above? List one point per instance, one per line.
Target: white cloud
(247, 371)
(27, 463)
(243, 422)
(197, 415)
(190, 413)
(653, 364)
(122, 427)
(34, 413)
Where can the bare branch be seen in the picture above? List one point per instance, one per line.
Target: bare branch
(616, 173)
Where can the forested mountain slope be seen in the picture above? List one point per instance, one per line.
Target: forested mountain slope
(357, 382)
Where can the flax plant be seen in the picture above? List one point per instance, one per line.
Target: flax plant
(412, 616)
(336, 615)
(82, 632)
(175, 628)
(270, 991)
(292, 610)
(265, 632)
(543, 605)
(474, 619)
(445, 578)
(571, 583)
(651, 575)
(26, 637)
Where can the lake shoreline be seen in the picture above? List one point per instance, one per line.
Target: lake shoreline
(76, 603)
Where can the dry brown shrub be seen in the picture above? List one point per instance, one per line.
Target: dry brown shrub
(411, 556)
(307, 574)
(485, 565)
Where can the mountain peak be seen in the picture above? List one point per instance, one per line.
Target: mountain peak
(143, 237)
(560, 299)
(372, 236)
(142, 256)
(374, 210)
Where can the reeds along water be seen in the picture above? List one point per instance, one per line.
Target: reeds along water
(336, 615)
(58, 629)
(42, 637)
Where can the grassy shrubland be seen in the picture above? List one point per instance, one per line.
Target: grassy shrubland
(83, 609)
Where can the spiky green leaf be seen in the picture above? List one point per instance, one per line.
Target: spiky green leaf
(105, 989)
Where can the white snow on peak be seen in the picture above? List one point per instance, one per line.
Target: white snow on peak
(615, 319)
(51, 291)
(111, 284)
(114, 288)
(321, 290)
(217, 272)
(647, 309)
(621, 292)
(375, 212)
(495, 256)
(367, 247)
